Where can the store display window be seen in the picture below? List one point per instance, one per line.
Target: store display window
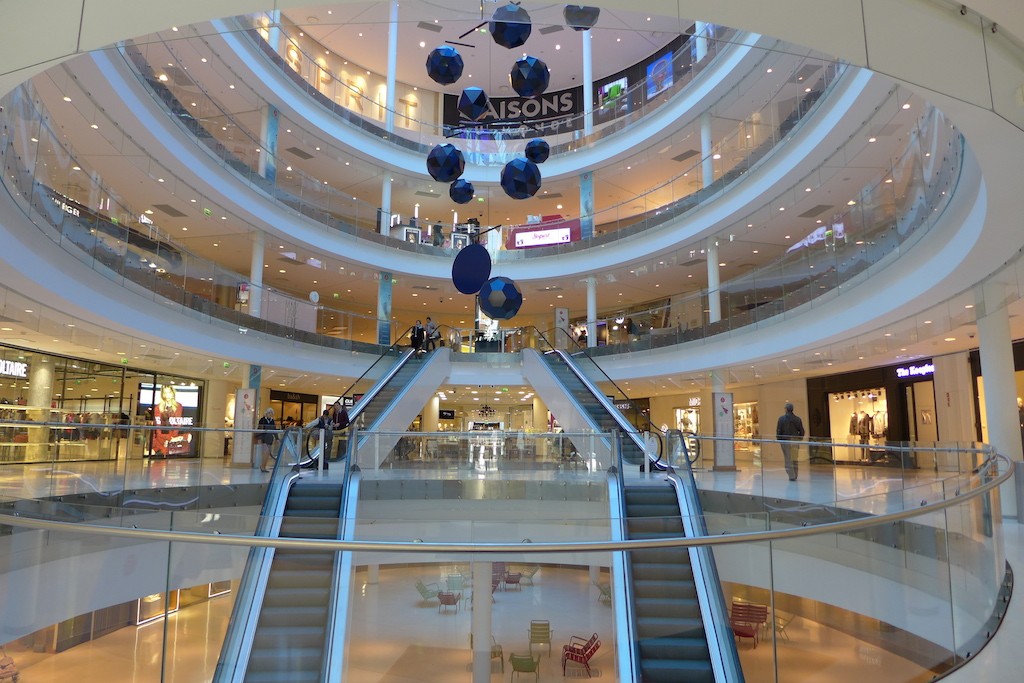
(860, 418)
(747, 425)
(688, 419)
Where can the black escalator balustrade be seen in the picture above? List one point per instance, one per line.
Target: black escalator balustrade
(369, 414)
(631, 450)
(671, 642)
(289, 641)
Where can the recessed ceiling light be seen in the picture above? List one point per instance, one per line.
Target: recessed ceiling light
(769, 70)
(872, 139)
(949, 339)
(67, 99)
(906, 105)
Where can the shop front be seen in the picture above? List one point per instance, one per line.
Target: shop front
(91, 400)
(863, 413)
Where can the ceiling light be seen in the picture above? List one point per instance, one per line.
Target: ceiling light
(716, 155)
(872, 139)
(906, 105)
(769, 70)
(422, 44)
(949, 339)
(851, 203)
(67, 99)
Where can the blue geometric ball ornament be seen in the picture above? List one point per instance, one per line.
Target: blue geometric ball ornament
(473, 103)
(500, 298)
(444, 65)
(510, 26)
(471, 268)
(538, 151)
(445, 163)
(529, 77)
(461, 191)
(520, 179)
(580, 17)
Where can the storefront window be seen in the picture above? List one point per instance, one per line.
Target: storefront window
(747, 426)
(858, 417)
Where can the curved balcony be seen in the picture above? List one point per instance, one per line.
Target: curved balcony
(929, 541)
(235, 142)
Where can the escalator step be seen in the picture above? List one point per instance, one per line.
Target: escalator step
(293, 659)
(270, 637)
(667, 526)
(298, 578)
(662, 510)
(662, 571)
(304, 488)
(650, 588)
(673, 648)
(660, 627)
(281, 596)
(676, 671)
(661, 556)
(312, 503)
(294, 615)
(668, 607)
(283, 677)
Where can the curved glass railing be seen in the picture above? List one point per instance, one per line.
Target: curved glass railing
(887, 216)
(530, 510)
(235, 140)
(303, 59)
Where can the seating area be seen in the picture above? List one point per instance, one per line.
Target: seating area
(496, 651)
(448, 599)
(580, 651)
(540, 634)
(747, 619)
(427, 591)
(524, 664)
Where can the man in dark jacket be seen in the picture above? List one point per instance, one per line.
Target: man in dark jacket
(789, 428)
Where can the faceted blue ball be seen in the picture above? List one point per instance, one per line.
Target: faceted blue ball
(500, 298)
(444, 64)
(510, 26)
(530, 77)
(461, 191)
(445, 163)
(473, 103)
(520, 178)
(538, 151)
(471, 268)
(581, 17)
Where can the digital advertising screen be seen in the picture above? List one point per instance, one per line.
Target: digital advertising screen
(659, 75)
(173, 409)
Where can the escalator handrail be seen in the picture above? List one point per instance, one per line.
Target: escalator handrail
(234, 659)
(337, 611)
(624, 426)
(582, 350)
(627, 656)
(725, 660)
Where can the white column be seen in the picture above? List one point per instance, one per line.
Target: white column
(274, 30)
(700, 37)
(215, 405)
(385, 205)
(480, 622)
(997, 370)
(389, 110)
(723, 425)
(591, 312)
(40, 394)
(588, 82)
(256, 274)
(714, 298)
(707, 149)
(430, 414)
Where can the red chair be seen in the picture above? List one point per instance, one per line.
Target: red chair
(747, 619)
(447, 599)
(512, 579)
(580, 651)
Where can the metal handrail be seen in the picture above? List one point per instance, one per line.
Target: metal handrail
(983, 471)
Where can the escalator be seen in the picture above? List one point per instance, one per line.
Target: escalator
(569, 375)
(288, 644)
(369, 412)
(672, 645)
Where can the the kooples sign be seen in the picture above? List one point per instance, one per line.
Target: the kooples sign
(910, 371)
(552, 112)
(13, 368)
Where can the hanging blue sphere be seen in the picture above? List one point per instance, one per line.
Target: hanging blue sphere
(461, 191)
(500, 298)
(581, 17)
(471, 268)
(530, 77)
(445, 163)
(473, 103)
(538, 151)
(510, 26)
(444, 65)
(520, 179)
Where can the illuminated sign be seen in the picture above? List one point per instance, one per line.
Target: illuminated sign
(541, 238)
(694, 402)
(923, 370)
(13, 368)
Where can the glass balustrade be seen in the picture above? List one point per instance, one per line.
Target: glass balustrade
(914, 589)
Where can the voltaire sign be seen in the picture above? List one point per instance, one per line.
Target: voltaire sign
(13, 368)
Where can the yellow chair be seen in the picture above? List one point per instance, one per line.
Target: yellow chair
(524, 664)
(496, 652)
(540, 634)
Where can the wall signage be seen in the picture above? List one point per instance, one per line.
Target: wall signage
(550, 113)
(14, 368)
(910, 371)
(694, 402)
(446, 414)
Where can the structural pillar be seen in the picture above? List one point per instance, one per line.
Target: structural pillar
(384, 309)
(431, 414)
(269, 119)
(586, 205)
(588, 82)
(480, 622)
(723, 423)
(707, 151)
(591, 312)
(700, 41)
(384, 212)
(274, 30)
(997, 371)
(40, 395)
(389, 106)
(215, 405)
(256, 274)
(714, 283)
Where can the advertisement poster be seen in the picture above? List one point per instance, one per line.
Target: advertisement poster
(173, 409)
(659, 75)
(725, 429)
(245, 420)
(562, 331)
